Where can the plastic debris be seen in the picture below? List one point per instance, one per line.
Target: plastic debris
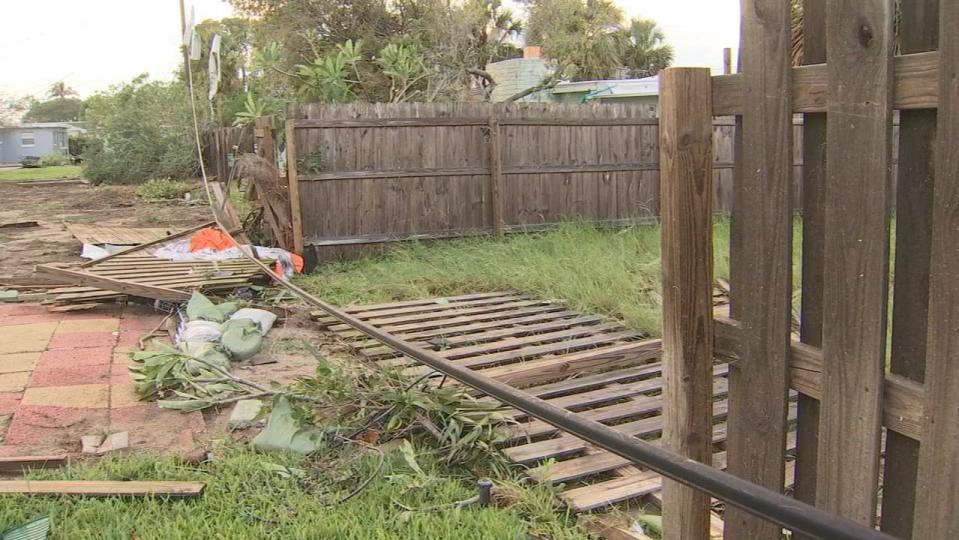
(284, 434)
(37, 529)
(242, 338)
(262, 317)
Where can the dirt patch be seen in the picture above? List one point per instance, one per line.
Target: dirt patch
(51, 206)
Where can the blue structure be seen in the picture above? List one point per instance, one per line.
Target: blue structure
(18, 142)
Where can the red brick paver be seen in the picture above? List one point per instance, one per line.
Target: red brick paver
(66, 375)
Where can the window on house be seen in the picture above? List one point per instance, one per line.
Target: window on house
(59, 139)
(26, 139)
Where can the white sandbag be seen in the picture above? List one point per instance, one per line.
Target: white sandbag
(262, 317)
(196, 331)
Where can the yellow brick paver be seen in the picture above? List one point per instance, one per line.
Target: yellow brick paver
(26, 337)
(81, 395)
(12, 363)
(14, 382)
(89, 325)
(124, 395)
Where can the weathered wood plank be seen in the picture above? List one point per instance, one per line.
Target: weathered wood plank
(21, 464)
(855, 273)
(686, 157)
(102, 488)
(758, 382)
(918, 32)
(292, 178)
(137, 289)
(902, 399)
(937, 496)
(915, 86)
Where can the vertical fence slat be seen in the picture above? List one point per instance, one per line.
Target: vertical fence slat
(937, 497)
(495, 174)
(687, 258)
(758, 381)
(859, 39)
(918, 32)
(813, 237)
(291, 177)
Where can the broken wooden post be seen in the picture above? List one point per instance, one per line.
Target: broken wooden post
(685, 143)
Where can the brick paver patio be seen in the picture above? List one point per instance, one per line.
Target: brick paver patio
(64, 375)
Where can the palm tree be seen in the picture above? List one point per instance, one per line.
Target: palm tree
(60, 90)
(646, 51)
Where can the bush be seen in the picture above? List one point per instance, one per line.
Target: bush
(54, 159)
(141, 130)
(162, 189)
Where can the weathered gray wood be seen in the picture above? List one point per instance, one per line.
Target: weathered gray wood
(937, 495)
(855, 275)
(915, 86)
(496, 176)
(758, 382)
(687, 257)
(813, 237)
(918, 32)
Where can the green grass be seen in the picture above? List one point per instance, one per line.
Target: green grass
(613, 272)
(41, 173)
(243, 500)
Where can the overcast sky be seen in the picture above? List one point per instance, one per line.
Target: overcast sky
(92, 44)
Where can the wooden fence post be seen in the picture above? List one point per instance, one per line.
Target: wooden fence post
(291, 176)
(686, 177)
(761, 296)
(495, 174)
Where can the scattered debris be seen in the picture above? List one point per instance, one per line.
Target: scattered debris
(117, 236)
(90, 443)
(116, 441)
(103, 488)
(283, 433)
(244, 414)
(38, 529)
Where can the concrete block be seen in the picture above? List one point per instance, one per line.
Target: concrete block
(244, 414)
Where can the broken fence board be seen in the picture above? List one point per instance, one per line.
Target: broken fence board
(102, 488)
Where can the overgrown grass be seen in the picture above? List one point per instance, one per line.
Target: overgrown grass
(245, 500)
(40, 173)
(613, 272)
(162, 189)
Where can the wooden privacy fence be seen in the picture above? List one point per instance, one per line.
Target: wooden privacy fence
(372, 173)
(847, 398)
(222, 146)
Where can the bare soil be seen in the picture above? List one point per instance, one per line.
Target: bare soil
(53, 205)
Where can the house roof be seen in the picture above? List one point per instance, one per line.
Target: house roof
(648, 86)
(70, 126)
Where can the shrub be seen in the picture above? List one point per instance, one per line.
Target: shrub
(141, 130)
(54, 159)
(162, 189)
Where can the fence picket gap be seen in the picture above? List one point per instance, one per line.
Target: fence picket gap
(918, 32)
(813, 238)
(936, 497)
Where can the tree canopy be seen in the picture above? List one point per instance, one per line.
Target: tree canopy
(591, 39)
